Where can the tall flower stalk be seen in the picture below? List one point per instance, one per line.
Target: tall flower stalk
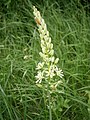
(48, 74)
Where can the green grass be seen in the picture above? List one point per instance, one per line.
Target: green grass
(69, 27)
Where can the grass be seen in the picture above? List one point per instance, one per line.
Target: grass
(69, 27)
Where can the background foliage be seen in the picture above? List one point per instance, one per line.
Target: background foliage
(69, 26)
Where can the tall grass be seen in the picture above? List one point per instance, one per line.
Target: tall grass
(69, 27)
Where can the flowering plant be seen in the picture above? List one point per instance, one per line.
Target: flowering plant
(47, 70)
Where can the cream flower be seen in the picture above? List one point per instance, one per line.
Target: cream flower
(40, 65)
(39, 77)
(47, 68)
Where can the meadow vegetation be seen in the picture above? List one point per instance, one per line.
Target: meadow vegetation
(68, 22)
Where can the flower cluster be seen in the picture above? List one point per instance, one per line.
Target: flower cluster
(46, 69)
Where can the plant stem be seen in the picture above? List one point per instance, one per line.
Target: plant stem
(50, 111)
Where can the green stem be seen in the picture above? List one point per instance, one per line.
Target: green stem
(50, 111)
(49, 97)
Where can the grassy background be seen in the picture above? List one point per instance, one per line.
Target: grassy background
(69, 26)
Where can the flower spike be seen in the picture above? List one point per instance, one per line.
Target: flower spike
(47, 68)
